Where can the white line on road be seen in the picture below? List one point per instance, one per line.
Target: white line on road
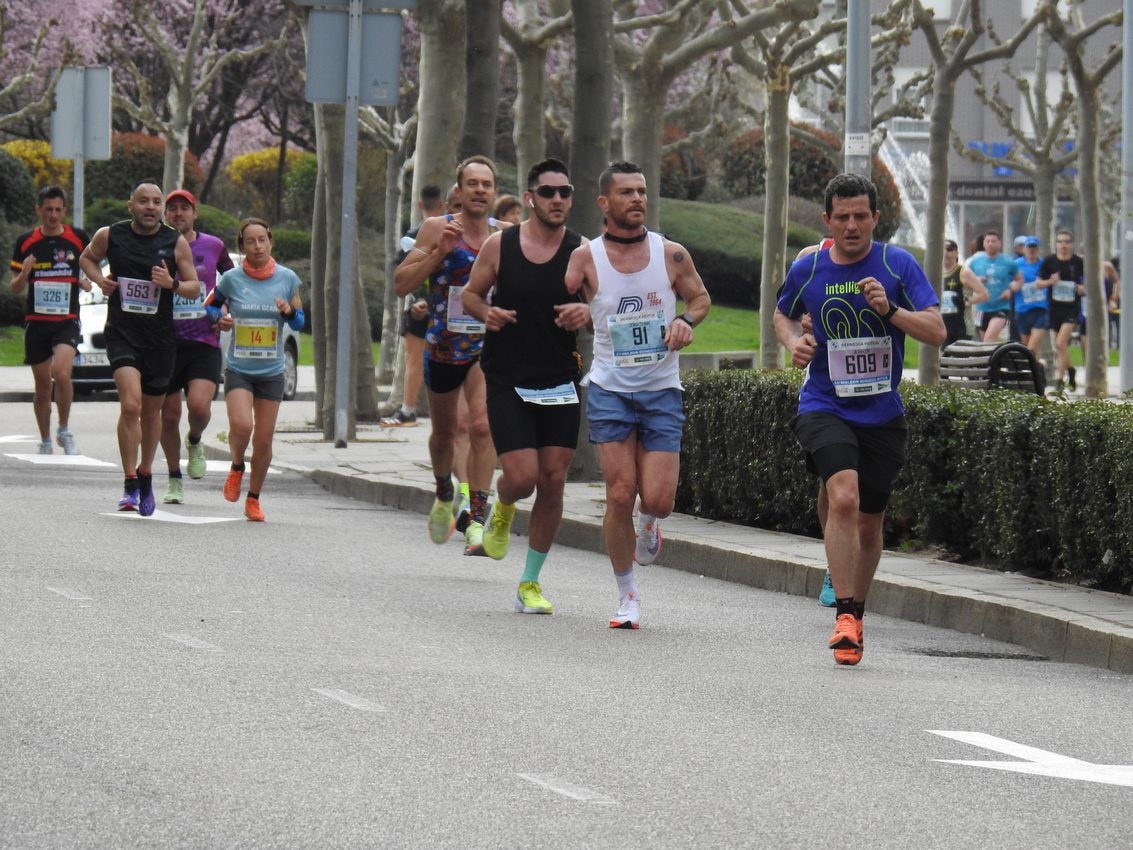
(1038, 762)
(59, 460)
(193, 643)
(169, 516)
(575, 792)
(346, 698)
(66, 593)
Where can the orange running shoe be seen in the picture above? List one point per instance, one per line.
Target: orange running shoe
(252, 510)
(847, 640)
(232, 485)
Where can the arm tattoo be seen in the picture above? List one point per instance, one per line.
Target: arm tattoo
(679, 257)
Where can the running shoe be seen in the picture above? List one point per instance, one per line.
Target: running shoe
(826, 595)
(67, 441)
(441, 521)
(197, 465)
(399, 419)
(232, 485)
(45, 448)
(529, 599)
(146, 503)
(851, 656)
(252, 510)
(846, 640)
(474, 539)
(175, 492)
(629, 612)
(497, 530)
(129, 501)
(462, 509)
(1072, 378)
(648, 540)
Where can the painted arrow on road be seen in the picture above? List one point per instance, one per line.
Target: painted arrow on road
(1038, 762)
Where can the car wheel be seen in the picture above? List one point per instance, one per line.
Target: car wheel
(290, 372)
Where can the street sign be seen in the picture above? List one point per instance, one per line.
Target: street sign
(80, 124)
(380, 78)
(367, 5)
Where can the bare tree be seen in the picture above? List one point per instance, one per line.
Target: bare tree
(1087, 83)
(20, 89)
(952, 55)
(482, 62)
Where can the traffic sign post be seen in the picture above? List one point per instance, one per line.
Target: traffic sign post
(80, 125)
(373, 80)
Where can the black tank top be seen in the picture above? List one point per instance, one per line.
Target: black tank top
(533, 352)
(133, 255)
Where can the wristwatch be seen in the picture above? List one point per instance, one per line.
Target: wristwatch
(893, 308)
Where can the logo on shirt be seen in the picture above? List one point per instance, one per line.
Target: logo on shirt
(631, 304)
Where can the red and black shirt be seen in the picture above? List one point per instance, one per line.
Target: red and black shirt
(53, 286)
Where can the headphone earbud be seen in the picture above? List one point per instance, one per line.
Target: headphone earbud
(531, 203)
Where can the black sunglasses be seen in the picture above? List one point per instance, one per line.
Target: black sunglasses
(550, 191)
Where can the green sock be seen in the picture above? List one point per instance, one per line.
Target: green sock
(465, 492)
(534, 565)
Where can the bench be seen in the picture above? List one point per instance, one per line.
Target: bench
(988, 365)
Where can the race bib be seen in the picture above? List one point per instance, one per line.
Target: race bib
(53, 299)
(458, 321)
(1032, 294)
(256, 338)
(562, 394)
(138, 296)
(1064, 291)
(949, 303)
(189, 308)
(638, 338)
(861, 366)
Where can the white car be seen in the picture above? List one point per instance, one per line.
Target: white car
(92, 365)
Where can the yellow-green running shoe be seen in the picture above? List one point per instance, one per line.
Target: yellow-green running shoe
(441, 521)
(474, 539)
(197, 466)
(529, 599)
(497, 530)
(174, 493)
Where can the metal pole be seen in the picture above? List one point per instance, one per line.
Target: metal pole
(1126, 227)
(858, 104)
(78, 189)
(349, 228)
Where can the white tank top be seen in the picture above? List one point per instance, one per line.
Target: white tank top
(629, 312)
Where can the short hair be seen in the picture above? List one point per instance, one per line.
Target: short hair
(544, 166)
(1064, 232)
(506, 204)
(849, 186)
(994, 233)
(146, 181)
(248, 222)
(475, 159)
(48, 192)
(431, 196)
(606, 179)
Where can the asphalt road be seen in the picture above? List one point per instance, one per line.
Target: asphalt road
(331, 678)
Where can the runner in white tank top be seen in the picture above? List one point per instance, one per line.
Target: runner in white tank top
(632, 279)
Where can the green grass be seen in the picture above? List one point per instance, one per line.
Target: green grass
(11, 346)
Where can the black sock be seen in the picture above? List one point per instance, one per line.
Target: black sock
(252, 495)
(193, 440)
(131, 484)
(478, 509)
(444, 488)
(175, 473)
(844, 606)
(859, 609)
(237, 467)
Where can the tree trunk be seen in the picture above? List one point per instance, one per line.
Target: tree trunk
(528, 133)
(1097, 322)
(280, 166)
(318, 270)
(777, 157)
(365, 407)
(590, 151)
(176, 139)
(441, 101)
(391, 366)
(482, 58)
(642, 118)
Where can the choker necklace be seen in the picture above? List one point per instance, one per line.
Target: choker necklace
(626, 240)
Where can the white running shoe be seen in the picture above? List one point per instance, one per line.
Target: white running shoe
(629, 612)
(45, 448)
(648, 539)
(67, 441)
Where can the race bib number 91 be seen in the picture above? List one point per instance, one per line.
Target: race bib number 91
(861, 366)
(638, 338)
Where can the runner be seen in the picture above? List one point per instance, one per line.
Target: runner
(256, 300)
(47, 258)
(864, 297)
(196, 369)
(995, 271)
(443, 255)
(1064, 274)
(632, 278)
(532, 366)
(144, 256)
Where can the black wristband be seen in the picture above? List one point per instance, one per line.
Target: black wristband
(893, 308)
(290, 315)
(684, 318)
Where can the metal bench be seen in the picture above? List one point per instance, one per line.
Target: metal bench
(987, 365)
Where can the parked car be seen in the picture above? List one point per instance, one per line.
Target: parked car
(92, 366)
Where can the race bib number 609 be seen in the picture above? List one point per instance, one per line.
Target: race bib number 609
(860, 366)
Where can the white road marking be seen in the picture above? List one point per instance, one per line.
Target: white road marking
(347, 698)
(59, 460)
(73, 595)
(574, 792)
(18, 438)
(1038, 762)
(193, 643)
(167, 516)
(224, 466)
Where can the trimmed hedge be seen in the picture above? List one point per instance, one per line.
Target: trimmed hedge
(1011, 480)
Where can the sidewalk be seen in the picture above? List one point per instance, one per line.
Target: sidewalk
(390, 466)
